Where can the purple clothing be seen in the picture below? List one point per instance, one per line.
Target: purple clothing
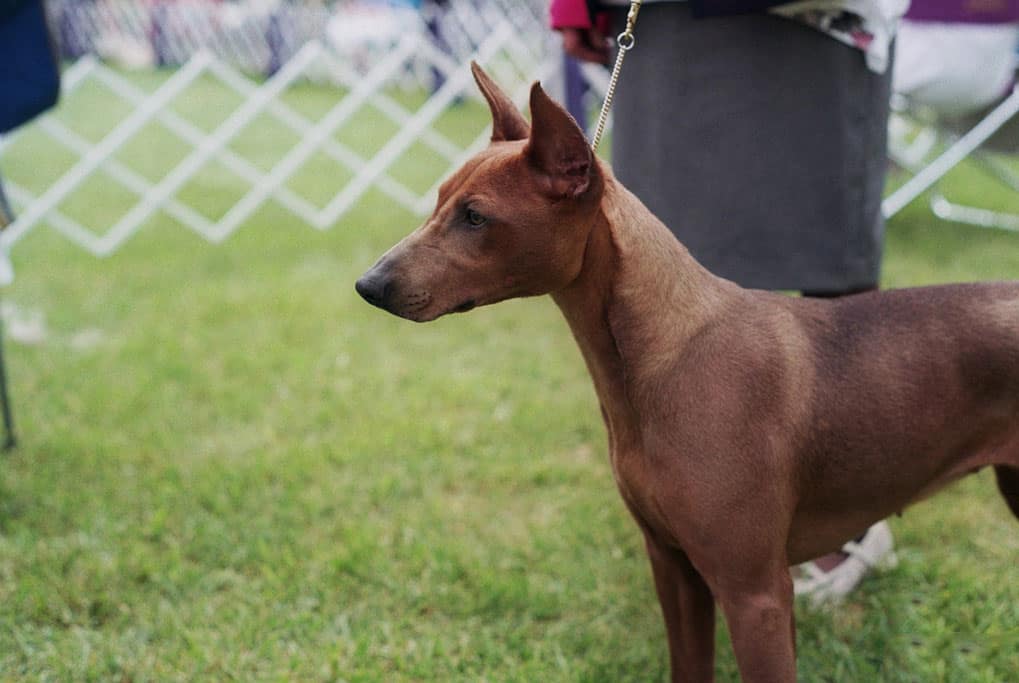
(964, 11)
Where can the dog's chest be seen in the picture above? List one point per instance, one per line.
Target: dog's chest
(639, 486)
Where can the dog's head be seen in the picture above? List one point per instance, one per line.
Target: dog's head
(512, 222)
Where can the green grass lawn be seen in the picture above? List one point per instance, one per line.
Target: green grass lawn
(246, 473)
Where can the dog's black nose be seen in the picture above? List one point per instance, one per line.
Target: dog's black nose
(373, 289)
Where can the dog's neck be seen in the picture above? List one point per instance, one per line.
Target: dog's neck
(637, 299)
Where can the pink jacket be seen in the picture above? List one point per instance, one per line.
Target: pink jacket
(569, 14)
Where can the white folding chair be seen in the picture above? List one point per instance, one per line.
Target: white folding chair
(934, 128)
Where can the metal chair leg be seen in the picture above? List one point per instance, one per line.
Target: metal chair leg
(958, 151)
(9, 442)
(5, 404)
(973, 215)
(6, 213)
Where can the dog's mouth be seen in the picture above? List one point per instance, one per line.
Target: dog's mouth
(420, 310)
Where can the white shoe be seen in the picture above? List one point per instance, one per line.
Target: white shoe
(873, 551)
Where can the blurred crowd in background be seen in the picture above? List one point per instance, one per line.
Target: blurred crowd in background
(258, 36)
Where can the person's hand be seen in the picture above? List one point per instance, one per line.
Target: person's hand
(586, 44)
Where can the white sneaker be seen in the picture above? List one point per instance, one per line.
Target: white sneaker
(873, 551)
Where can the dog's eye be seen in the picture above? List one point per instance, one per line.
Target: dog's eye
(475, 219)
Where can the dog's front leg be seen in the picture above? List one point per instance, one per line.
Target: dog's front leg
(689, 611)
(759, 611)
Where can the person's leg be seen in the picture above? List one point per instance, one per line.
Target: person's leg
(768, 166)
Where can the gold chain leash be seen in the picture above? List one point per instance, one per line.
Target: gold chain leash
(625, 42)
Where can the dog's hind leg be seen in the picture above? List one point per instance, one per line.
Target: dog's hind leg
(1008, 484)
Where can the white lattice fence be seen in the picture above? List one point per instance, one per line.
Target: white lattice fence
(512, 44)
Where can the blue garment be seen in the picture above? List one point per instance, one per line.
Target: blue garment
(29, 77)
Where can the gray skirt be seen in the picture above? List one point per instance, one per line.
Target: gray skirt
(760, 142)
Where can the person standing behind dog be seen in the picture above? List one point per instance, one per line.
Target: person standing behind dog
(758, 135)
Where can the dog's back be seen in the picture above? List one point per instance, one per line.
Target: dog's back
(909, 390)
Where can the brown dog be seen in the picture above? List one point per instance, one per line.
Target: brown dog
(748, 431)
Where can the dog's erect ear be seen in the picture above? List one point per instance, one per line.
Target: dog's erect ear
(507, 121)
(558, 148)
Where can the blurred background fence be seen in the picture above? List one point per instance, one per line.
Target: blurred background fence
(398, 68)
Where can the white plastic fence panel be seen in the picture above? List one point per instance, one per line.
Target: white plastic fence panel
(509, 38)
